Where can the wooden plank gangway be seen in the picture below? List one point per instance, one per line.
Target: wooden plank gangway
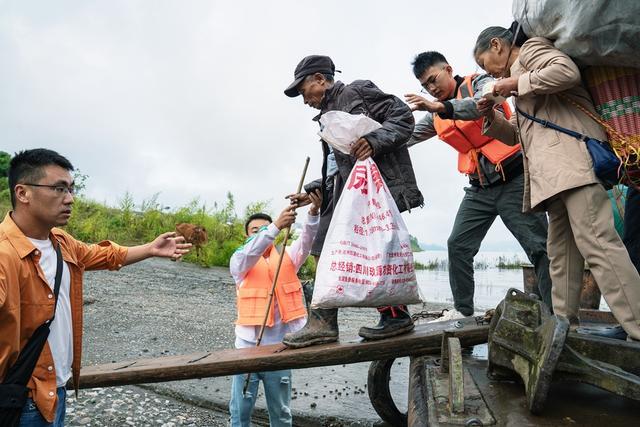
(424, 339)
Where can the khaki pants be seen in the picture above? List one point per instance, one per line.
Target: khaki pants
(581, 228)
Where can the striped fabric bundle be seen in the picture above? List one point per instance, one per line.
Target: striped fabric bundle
(616, 95)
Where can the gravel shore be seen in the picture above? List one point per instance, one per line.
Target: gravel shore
(159, 308)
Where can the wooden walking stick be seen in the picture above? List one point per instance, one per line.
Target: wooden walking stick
(287, 231)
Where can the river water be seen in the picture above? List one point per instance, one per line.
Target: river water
(491, 283)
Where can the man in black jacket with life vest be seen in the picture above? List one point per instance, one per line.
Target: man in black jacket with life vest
(495, 173)
(314, 80)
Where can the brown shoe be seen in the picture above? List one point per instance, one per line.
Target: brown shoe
(321, 328)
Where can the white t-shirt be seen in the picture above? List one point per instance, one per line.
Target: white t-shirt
(61, 335)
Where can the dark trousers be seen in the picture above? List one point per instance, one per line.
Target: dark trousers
(477, 211)
(631, 236)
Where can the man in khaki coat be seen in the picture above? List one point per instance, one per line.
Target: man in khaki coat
(559, 175)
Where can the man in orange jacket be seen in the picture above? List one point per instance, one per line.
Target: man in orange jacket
(495, 173)
(42, 191)
(253, 266)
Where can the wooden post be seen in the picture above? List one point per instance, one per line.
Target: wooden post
(456, 377)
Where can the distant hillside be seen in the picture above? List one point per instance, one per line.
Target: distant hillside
(415, 245)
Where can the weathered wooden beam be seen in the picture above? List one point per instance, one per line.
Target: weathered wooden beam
(596, 316)
(425, 339)
(456, 377)
(625, 355)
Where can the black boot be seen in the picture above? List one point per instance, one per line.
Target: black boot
(394, 320)
(321, 328)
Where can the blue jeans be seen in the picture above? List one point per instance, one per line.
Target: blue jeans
(277, 391)
(31, 417)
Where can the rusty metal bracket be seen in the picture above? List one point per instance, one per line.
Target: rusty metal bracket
(525, 339)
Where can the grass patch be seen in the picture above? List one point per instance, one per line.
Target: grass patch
(434, 264)
(506, 263)
(480, 265)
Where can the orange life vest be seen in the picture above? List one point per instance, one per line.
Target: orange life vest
(467, 138)
(253, 293)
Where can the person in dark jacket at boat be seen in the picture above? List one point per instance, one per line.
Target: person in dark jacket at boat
(314, 80)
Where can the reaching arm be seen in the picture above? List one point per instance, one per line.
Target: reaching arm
(551, 70)
(465, 108)
(247, 255)
(498, 127)
(300, 248)
(423, 130)
(394, 115)
(166, 245)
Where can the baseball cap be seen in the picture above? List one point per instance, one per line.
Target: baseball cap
(309, 65)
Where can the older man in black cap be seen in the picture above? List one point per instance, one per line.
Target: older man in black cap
(314, 80)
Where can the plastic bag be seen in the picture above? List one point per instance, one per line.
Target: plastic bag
(592, 32)
(366, 259)
(341, 130)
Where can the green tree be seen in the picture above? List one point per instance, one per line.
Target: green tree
(415, 245)
(5, 202)
(79, 181)
(5, 158)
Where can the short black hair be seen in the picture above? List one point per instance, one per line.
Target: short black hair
(27, 166)
(424, 60)
(254, 217)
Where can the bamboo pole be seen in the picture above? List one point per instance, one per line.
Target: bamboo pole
(275, 276)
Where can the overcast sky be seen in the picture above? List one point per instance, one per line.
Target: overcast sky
(185, 98)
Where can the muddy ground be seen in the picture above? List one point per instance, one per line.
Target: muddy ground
(159, 308)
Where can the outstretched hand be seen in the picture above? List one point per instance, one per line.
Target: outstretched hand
(299, 199)
(169, 245)
(419, 103)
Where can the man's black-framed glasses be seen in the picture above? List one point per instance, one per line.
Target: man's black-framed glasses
(431, 83)
(60, 189)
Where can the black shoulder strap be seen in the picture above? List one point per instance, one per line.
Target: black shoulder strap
(58, 280)
(551, 125)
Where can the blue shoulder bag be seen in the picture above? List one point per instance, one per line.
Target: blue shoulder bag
(606, 164)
